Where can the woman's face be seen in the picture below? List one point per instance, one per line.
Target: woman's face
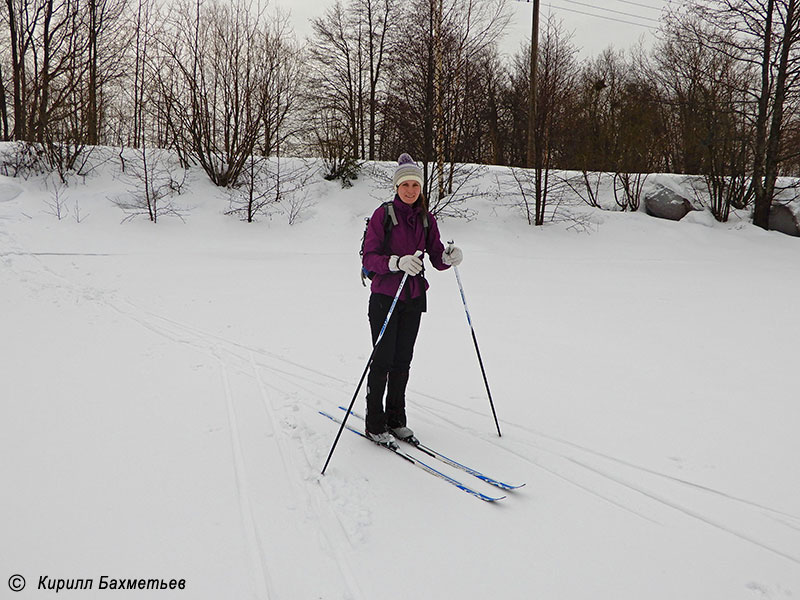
(409, 191)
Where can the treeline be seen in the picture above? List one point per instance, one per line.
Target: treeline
(220, 82)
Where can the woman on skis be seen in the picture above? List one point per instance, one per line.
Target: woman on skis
(389, 253)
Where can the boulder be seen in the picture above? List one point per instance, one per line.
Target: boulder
(784, 217)
(665, 203)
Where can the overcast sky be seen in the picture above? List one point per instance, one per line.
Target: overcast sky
(618, 22)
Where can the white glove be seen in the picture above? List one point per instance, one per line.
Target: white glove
(453, 256)
(411, 264)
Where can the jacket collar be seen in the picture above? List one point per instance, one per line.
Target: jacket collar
(405, 209)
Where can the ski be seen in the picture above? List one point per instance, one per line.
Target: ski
(418, 463)
(453, 463)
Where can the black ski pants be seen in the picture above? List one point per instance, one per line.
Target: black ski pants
(391, 362)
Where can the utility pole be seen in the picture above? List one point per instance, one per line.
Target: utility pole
(531, 157)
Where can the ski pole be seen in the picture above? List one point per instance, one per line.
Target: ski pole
(366, 369)
(475, 341)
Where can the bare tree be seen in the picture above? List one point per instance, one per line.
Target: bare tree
(557, 74)
(48, 61)
(765, 35)
(706, 90)
(429, 110)
(337, 72)
(284, 85)
(107, 37)
(270, 185)
(636, 142)
(154, 185)
(591, 142)
(144, 73)
(376, 19)
(20, 43)
(348, 52)
(60, 63)
(219, 99)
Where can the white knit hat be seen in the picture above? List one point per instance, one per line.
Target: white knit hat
(407, 170)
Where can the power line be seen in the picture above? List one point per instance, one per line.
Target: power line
(650, 6)
(580, 12)
(617, 12)
(640, 4)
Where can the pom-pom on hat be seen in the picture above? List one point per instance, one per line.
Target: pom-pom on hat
(407, 170)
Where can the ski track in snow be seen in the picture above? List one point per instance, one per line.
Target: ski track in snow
(595, 453)
(264, 587)
(223, 351)
(333, 538)
(223, 348)
(638, 487)
(293, 373)
(305, 379)
(578, 465)
(787, 520)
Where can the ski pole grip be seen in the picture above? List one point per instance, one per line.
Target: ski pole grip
(449, 247)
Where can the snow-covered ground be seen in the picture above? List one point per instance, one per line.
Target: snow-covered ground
(161, 387)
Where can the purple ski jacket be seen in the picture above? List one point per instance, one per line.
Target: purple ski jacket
(406, 237)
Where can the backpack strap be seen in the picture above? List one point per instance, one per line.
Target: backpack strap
(389, 221)
(390, 214)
